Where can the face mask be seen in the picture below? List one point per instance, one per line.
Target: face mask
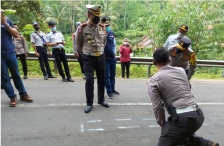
(96, 20)
(125, 43)
(107, 29)
(180, 35)
(36, 28)
(53, 28)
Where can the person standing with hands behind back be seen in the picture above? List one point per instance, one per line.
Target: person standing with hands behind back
(125, 51)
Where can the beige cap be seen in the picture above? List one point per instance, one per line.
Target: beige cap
(94, 9)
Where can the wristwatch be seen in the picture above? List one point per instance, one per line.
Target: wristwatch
(7, 25)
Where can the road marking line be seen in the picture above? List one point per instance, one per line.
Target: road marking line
(82, 129)
(128, 127)
(154, 126)
(93, 121)
(122, 119)
(100, 129)
(84, 104)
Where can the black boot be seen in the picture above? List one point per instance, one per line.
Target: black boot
(199, 141)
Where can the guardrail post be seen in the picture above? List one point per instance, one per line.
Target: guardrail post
(223, 73)
(148, 71)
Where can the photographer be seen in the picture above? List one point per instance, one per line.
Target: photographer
(38, 40)
(125, 51)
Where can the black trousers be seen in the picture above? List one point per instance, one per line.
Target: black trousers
(176, 133)
(43, 60)
(123, 66)
(60, 57)
(22, 59)
(92, 63)
(81, 63)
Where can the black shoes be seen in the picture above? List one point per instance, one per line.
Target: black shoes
(51, 77)
(45, 77)
(70, 80)
(115, 92)
(110, 95)
(104, 104)
(87, 109)
(25, 77)
(64, 79)
(67, 80)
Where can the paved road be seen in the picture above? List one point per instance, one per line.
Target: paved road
(57, 118)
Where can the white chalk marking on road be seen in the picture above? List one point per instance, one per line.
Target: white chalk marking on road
(100, 129)
(122, 119)
(128, 127)
(84, 104)
(82, 128)
(93, 121)
(154, 126)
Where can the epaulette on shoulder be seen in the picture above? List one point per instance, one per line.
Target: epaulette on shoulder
(102, 25)
(83, 24)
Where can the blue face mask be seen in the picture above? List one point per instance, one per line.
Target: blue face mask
(53, 28)
(107, 29)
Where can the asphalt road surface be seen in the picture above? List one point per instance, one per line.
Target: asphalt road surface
(57, 118)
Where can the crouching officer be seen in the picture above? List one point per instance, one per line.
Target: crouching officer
(181, 55)
(170, 85)
(90, 40)
(56, 40)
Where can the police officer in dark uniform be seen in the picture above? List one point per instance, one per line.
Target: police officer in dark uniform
(170, 85)
(90, 41)
(110, 59)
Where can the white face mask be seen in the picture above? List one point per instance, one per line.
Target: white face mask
(125, 43)
(179, 35)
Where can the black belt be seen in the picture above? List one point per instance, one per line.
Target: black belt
(58, 48)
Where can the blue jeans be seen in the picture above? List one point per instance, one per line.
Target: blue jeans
(110, 71)
(10, 63)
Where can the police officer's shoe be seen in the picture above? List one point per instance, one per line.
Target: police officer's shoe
(70, 80)
(46, 77)
(115, 92)
(87, 109)
(64, 79)
(104, 104)
(51, 77)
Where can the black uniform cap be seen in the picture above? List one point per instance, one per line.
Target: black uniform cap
(183, 27)
(51, 23)
(105, 20)
(184, 43)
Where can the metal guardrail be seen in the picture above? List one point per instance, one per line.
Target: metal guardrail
(137, 60)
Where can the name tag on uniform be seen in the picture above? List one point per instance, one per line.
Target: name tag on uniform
(101, 32)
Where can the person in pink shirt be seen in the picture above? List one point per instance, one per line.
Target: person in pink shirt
(125, 51)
